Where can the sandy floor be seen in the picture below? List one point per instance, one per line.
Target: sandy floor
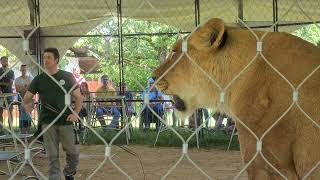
(155, 163)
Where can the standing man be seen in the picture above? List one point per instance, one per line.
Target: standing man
(52, 99)
(6, 87)
(22, 84)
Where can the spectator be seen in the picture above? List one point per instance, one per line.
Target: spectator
(230, 126)
(105, 108)
(218, 116)
(6, 83)
(147, 116)
(129, 105)
(198, 116)
(22, 83)
(86, 109)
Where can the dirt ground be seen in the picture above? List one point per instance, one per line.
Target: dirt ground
(150, 163)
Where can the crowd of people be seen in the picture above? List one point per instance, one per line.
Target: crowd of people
(87, 105)
(95, 104)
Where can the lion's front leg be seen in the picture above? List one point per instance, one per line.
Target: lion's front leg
(281, 158)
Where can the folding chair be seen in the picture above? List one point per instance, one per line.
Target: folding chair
(9, 157)
(234, 133)
(123, 121)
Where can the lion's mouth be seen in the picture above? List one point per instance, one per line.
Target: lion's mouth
(179, 103)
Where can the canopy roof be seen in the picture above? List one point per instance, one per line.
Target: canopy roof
(60, 20)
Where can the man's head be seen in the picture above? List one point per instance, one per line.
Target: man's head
(104, 80)
(23, 69)
(150, 83)
(84, 86)
(51, 58)
(4, 61)
(124, 86)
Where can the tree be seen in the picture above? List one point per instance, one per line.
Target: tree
(309, 33)
(141, 54)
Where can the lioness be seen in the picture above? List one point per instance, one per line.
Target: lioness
(258, 97)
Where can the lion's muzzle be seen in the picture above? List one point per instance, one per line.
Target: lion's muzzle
(179, 103)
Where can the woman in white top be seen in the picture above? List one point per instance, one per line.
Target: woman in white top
(86, 111)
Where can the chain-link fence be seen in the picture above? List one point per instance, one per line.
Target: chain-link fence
(239, 64)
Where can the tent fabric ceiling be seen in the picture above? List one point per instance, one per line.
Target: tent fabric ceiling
(78, 17)
(178, 13)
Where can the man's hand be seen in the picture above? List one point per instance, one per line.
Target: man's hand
(72, 118)
(27, 101)
(28, 107)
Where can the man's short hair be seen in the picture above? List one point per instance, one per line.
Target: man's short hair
(4, 57)
(54, 51)
(104, 77)
(23, 65)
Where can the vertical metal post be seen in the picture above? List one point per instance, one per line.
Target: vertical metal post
(120, 53)
(197, 12)
(240, 9)
(38, 39)
(275, 15)
(120, 40)
(36, 22)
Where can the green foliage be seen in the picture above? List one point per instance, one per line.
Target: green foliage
(169, 139)
(12, 58)
(141, 54)
(309, 33)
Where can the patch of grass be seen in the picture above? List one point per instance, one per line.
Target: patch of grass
(207, 139)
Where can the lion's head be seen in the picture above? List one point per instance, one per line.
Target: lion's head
(183, 68)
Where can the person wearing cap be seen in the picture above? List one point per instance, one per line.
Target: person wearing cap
(147, 116)
(105, 108)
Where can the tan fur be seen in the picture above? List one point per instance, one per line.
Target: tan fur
(258, 97)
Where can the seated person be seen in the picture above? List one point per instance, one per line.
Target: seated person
(196, 119)
(147, 116)
(230, 126)
(86, 109)
(105, 108)
(129, 105)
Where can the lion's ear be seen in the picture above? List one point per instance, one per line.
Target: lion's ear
(212, 34)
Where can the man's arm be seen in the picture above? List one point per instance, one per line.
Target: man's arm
(78, 98)
(19, 87)
(10, 82)
(11, 78)
(27, 101)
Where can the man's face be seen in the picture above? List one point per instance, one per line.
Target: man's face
(49, 60)
(105, 81)
(83, 87)
(23, 70)
(4, 62)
